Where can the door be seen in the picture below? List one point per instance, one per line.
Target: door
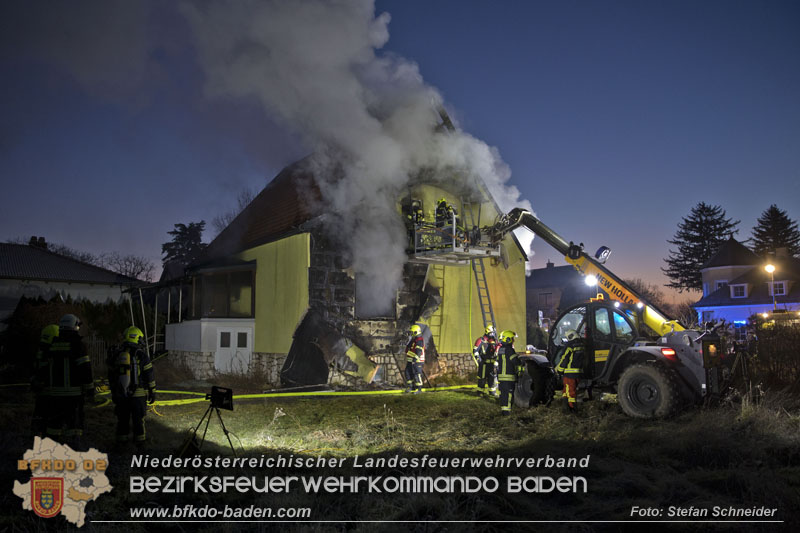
(612, 333)
(572, 320)
(234, 350)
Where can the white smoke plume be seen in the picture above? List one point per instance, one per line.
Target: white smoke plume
(315, 66)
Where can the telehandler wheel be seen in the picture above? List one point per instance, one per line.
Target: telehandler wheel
(648, 391)
(534, 387)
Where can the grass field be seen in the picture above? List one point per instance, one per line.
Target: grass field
(739, 454)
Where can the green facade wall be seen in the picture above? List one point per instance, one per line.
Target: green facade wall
(281, 290)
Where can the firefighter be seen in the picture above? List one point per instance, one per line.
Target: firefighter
(485, 356)
(40, 372)
(131, 381)
(414, 218)
(415, 358)
(68, 382)
(570, 366)
(509, 368)
(444, 213)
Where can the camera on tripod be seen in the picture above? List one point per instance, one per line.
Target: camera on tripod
(221, 398)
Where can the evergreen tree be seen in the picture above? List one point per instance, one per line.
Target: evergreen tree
(185, 246)
(775, 230)
(698, 237)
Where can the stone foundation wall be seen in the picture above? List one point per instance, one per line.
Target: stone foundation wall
(460, 364)
(201, 364)
(269, 366)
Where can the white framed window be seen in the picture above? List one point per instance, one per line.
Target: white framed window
(777, 288)
(707, 316)
(705, 289)
(738, 291)
(720, 283)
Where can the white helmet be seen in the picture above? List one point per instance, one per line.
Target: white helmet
(69, 322)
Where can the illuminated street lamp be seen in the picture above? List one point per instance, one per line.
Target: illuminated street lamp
(771, 269)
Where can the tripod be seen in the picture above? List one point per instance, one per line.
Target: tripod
(207, 417)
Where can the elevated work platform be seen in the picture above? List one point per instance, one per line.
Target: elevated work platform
(449, 244)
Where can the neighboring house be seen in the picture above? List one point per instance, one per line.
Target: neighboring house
(275, 295)
(736, 285)
(552, 289)
(32, 271)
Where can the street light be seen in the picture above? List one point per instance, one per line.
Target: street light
(771, 269)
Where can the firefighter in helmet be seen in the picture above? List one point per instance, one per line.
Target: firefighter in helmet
(509, 368)
(415, 358)
(444, 213)
(571, 360)
(132, 382)
(68, 382)
(40, 370)
(485, 356)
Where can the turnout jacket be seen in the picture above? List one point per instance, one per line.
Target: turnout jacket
(509, 365)
(68, 370)
(573, 358)
(415, 350)
(130, 373)
(485, 348)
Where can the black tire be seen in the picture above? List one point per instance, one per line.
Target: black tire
(648, 391)
(534, 387)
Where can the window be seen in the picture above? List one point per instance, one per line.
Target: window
(571, 321)
(545, 299)
(241, 339)
(738, 291)
(739, 332)
(720, 283)
(225, 339)
(601, 323)
(708, 316)
(225, 294)
(623, 330)
(778, 288)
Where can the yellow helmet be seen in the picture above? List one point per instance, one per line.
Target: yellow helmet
(49, 333)
(415, 330)
(442, 200)
(571, 335)
(490, 330)
(133, 335)
(508, 336)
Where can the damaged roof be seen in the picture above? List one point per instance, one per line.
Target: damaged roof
(277, 212)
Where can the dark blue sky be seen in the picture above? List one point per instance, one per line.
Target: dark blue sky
(616, 118)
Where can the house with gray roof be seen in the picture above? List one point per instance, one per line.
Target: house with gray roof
(736, 285)
(31, 270)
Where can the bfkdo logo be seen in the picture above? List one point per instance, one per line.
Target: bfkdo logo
(47, 495)
(63, 481)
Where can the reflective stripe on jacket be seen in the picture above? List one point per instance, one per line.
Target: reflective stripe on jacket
(508, 363)
(485, 348)
(415, 350)
(573, 360)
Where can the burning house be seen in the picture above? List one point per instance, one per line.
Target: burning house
(280, 290)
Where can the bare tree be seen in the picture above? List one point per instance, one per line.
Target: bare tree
(220, 222)
(130, 265)
(650, 292)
